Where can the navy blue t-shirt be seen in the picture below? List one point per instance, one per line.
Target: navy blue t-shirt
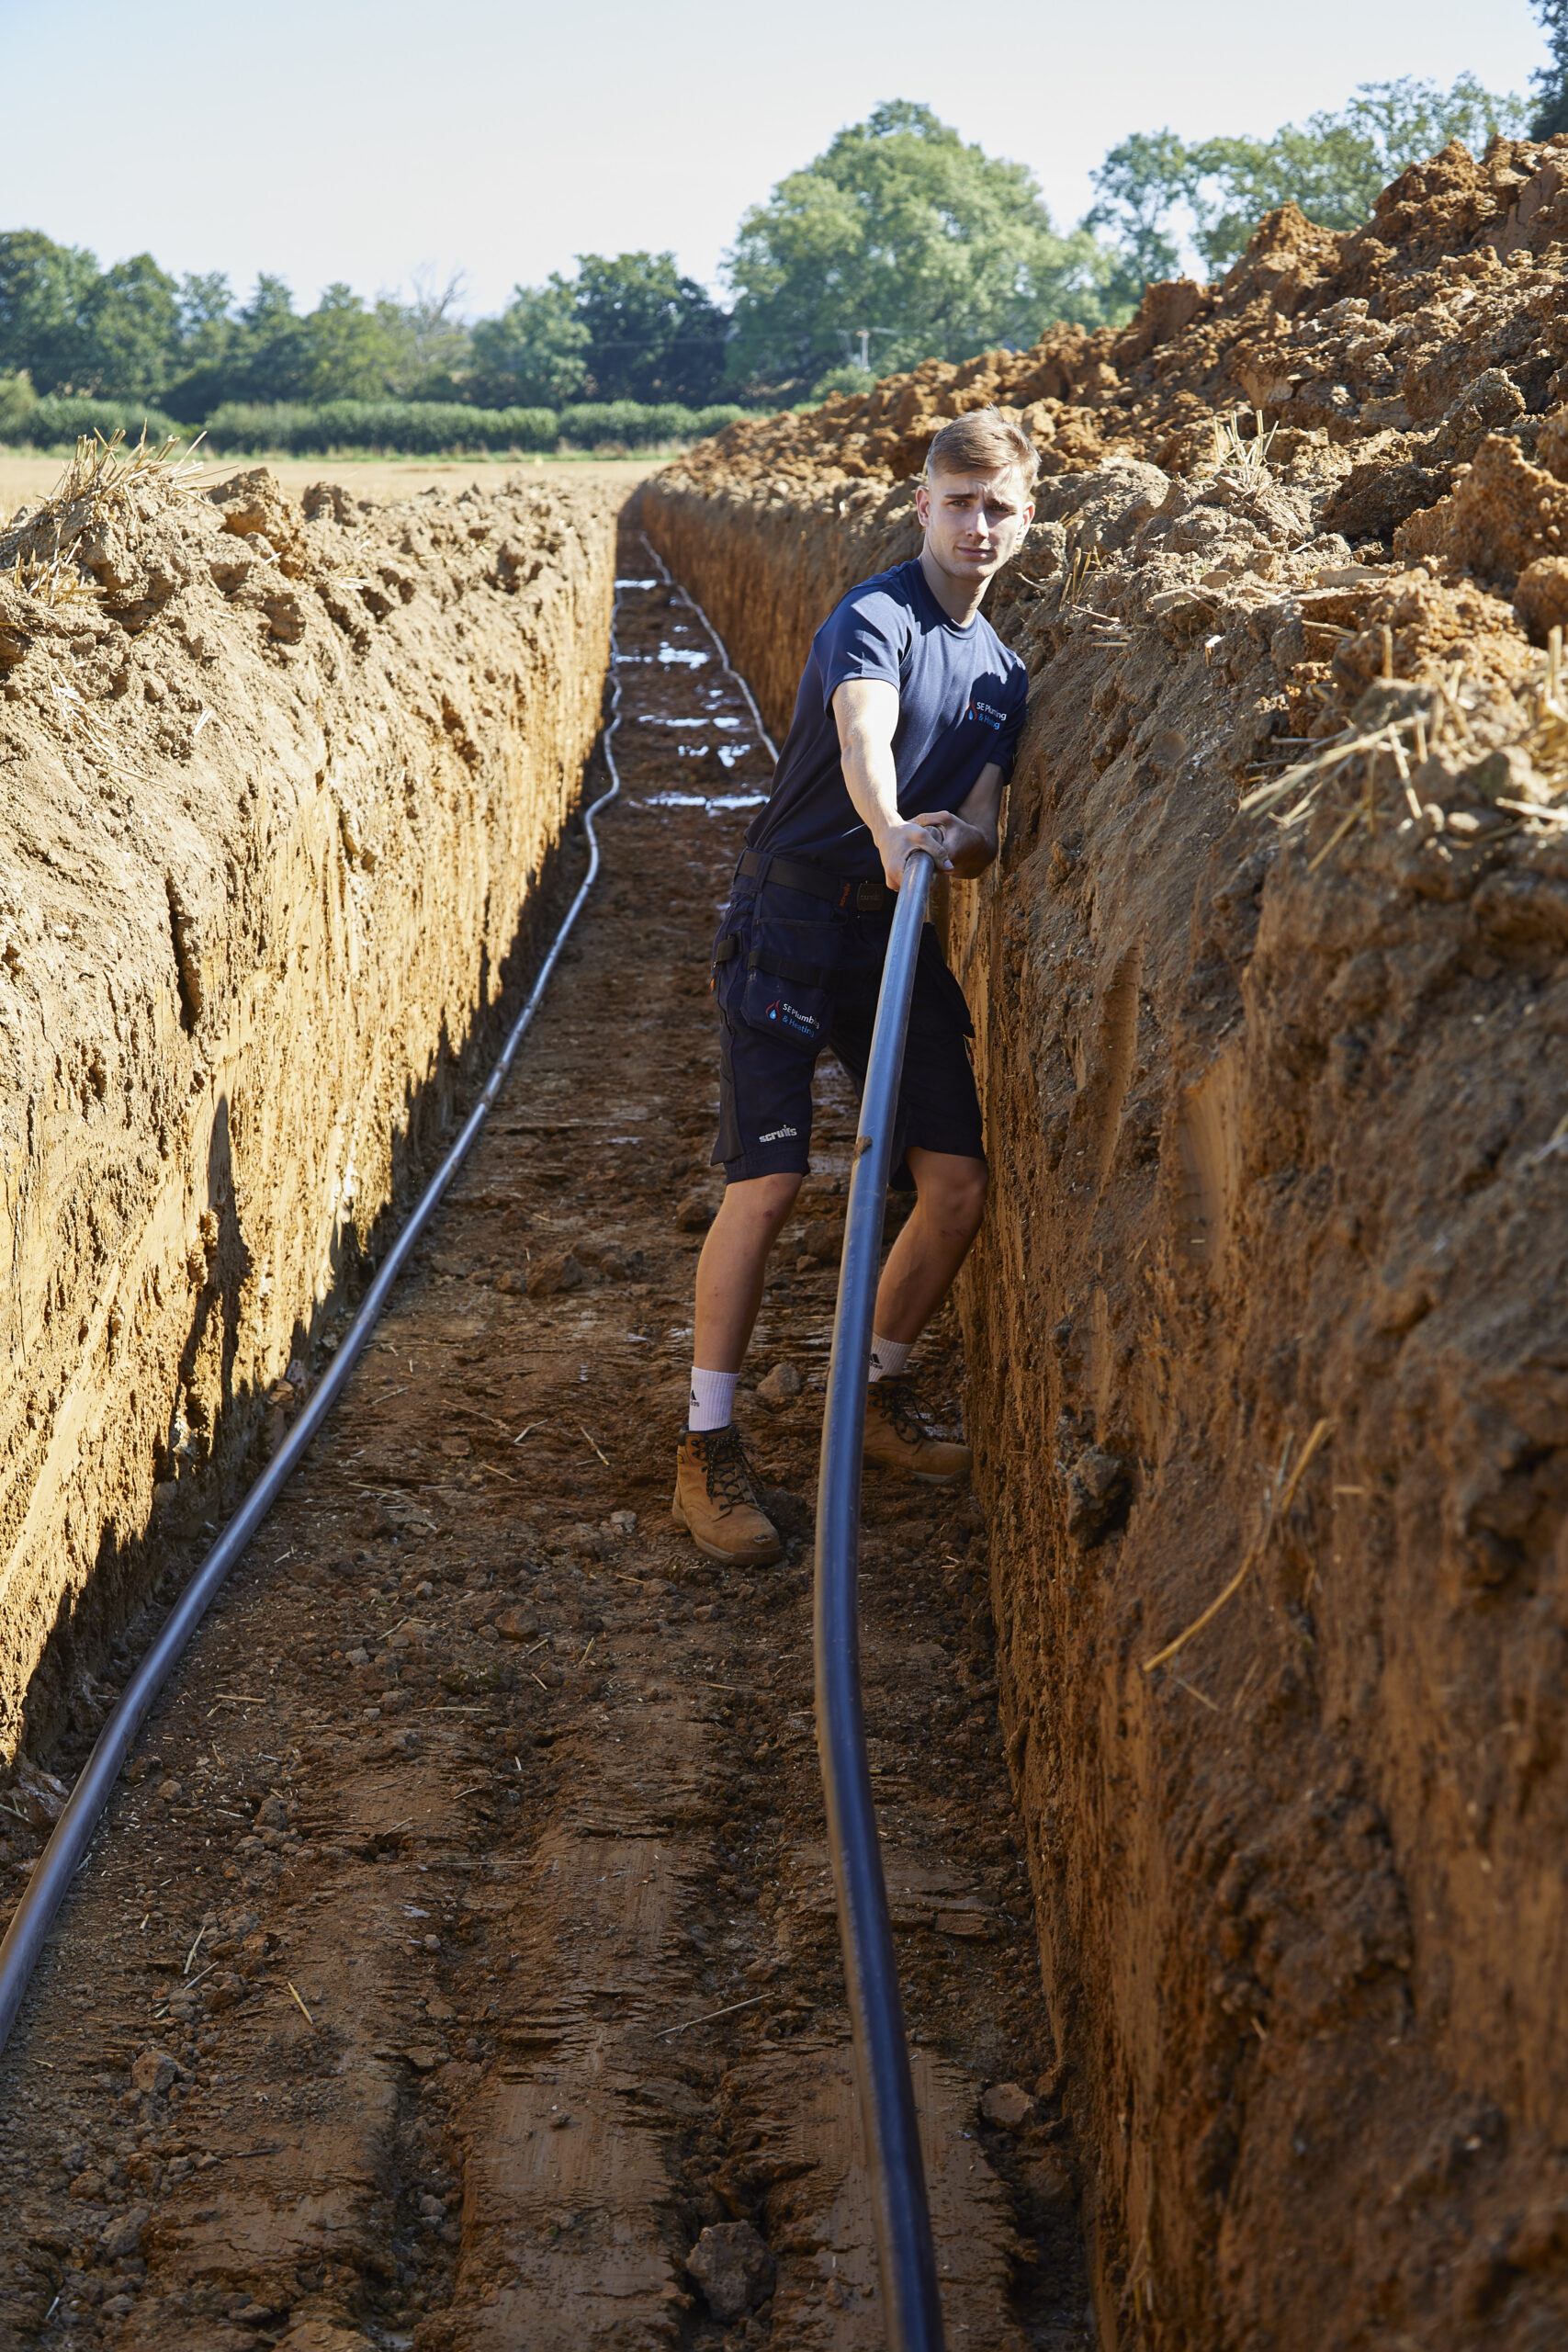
(961, 709)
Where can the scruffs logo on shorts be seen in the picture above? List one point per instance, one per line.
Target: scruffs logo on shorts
(778, 1135)
(789, 1016)
(985, 712)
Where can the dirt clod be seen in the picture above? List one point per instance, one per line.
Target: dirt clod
(733, 2267)
(556, 1271)
(1006, 2104)
(153, 2071)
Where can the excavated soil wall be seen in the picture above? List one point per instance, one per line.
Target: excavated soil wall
(281, 785)
(1267, 1357)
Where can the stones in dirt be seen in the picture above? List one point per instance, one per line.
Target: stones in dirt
(518, 1626)
(822, 1239)
(322, 2335)
(36, 1796)
(781, 1385)
(557, 1271)
(612, 1263)
(1051, 2182)
(1008, 2104)
(694, 1212)
(153, 2071)
(394, 1518)
(1098, 1494)
(732, 2266)
(124, 2234)
(569, 1268)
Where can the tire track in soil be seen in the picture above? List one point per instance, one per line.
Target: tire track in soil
(462, 1942)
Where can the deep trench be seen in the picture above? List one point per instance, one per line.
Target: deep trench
(340, 2028)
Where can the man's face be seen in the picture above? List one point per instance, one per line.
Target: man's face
(973, 523)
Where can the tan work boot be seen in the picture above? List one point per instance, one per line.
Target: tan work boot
(898, 1437)
(716, 1500)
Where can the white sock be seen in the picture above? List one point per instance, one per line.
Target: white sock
(888, 1357)
(712, 1399)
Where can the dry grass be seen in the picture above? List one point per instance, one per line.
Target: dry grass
(1439, 722)
(38, 548)
(1234, 456)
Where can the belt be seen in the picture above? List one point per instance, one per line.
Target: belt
(841, 890)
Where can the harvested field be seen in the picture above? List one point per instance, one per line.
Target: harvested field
(461, 1946)
(1268, 1367)
(25, 478)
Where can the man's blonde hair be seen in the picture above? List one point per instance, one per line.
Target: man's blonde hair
(984, 442)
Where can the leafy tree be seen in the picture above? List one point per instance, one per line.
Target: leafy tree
(628, 327)
(267, 360)
(937, 248)
(346, 351)
(536, 352)
(852, 378)
(429, 346)
(1333, 165)
(1551, 80)
(44, 292)
(652, 335)
(131, 323)
(1140, 182)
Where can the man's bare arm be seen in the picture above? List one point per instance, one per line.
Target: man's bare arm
(867, 712)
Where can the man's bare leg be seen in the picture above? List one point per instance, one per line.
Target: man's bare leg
(923, 1263)
(734, 1265)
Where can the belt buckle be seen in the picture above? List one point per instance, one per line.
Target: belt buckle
(870, 898)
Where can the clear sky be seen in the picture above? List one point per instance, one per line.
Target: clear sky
(328, 139)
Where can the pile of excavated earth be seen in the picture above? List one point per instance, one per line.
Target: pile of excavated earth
(1266, 1337)
(275, 781)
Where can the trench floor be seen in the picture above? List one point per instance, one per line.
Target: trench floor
(460, 1942)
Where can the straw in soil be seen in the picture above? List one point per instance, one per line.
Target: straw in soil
(1278, 1509)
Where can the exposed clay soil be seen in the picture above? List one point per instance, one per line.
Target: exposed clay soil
(276, 781)
(463, 1944)
(1266, 1318)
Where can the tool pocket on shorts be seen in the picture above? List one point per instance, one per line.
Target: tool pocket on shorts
(774, 969)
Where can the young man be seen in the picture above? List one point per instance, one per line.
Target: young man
(905, 727)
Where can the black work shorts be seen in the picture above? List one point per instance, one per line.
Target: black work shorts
(804, 972)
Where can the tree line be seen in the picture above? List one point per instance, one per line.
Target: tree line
(899, 243)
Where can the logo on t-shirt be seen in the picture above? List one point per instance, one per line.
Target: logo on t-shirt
(985, 712)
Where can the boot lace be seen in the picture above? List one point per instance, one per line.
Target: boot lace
(728, 1472)
(899, 1407)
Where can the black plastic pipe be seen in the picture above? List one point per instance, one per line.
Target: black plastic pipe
(905, 2251)
(67, 1847)
(692, 604)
